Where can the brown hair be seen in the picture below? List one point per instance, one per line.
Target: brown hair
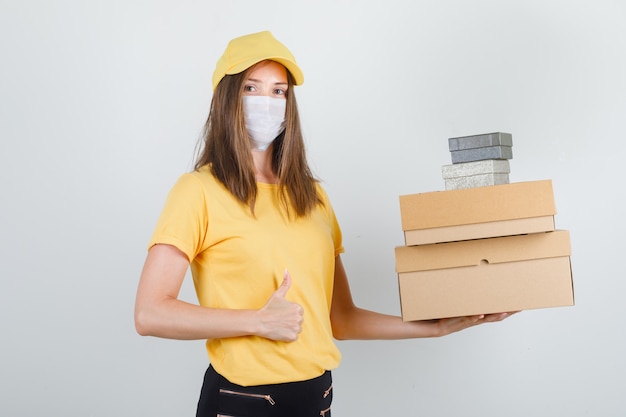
(226, 149)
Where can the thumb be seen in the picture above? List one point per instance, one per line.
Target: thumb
(284, 287)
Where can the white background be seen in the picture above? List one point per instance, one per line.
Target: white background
(101, 105)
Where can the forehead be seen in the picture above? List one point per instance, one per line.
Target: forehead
(268, 70)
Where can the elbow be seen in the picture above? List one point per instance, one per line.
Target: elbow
(340, 325)
(142, 323)
(338, 334)
(151, 319)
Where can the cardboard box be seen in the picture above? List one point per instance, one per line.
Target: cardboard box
(479, 230)
(480, 141)
(489, 209)
(485, 276)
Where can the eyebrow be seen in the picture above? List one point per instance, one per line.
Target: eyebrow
(259, 81)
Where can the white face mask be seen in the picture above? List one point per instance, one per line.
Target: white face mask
(265, 119)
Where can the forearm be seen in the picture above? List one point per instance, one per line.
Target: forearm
(368, 325)
(356, 323)
(176, 319)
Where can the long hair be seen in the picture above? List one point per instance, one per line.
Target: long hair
(227, 150)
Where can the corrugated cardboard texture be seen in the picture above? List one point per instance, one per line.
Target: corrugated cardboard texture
(479, 230)
(480, 141)
(477, 205)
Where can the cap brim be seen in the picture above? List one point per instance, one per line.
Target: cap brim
(292, 67)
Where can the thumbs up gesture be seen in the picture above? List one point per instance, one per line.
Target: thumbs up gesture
(281, 319)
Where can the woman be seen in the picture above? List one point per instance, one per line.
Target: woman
(263, 244)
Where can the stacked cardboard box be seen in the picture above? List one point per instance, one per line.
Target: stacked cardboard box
(482, 249)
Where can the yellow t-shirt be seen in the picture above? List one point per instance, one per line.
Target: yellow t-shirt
(238, 261)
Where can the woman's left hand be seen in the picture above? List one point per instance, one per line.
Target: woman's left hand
(455, 324)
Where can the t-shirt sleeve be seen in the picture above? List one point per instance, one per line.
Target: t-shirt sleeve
(183, 221)
(337, 238)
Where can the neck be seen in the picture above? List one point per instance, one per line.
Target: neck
(263, 166)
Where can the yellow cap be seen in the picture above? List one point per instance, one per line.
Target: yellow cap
(245, 51)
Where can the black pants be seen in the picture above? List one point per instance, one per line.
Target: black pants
(220, 397)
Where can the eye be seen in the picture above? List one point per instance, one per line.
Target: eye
(249, 89)
(279, 92)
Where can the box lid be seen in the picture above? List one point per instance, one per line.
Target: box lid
(480, 141)
(477, 205)
(480, 251)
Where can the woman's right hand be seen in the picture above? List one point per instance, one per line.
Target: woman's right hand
(281, 319)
